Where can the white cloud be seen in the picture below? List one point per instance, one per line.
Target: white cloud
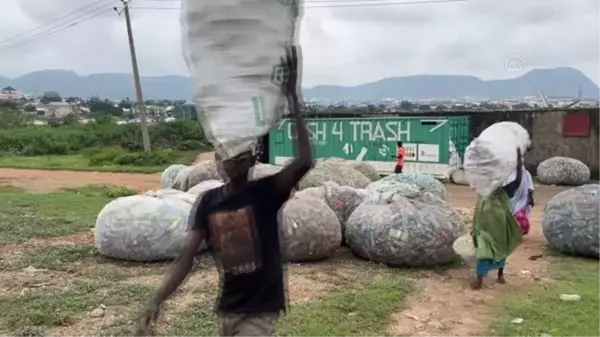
(347, 46)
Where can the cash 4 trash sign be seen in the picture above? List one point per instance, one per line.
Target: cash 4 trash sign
(372, 139)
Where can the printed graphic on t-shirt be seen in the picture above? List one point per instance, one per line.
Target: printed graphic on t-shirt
(234, 240)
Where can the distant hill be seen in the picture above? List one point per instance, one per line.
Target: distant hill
(557, 82)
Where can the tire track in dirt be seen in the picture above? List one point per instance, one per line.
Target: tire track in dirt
(48, 181)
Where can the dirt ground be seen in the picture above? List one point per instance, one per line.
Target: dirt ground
(444, 305)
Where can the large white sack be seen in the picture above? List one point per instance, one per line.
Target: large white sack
(340, 174)
(204, 187)
(400, 182)
(263, 170)
(343, 200)
(401, 233)
(563, 171)
(171, 193)
(492, 157)
(199, 172)
(142, 228)
(363, 167)
(234, 49)
(571, 222)
(167, 178)
(311, 230)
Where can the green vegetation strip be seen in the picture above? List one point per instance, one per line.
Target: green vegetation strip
(543, 311)
(26, 215)
(77, 162)
(353, 310)
(50, 309)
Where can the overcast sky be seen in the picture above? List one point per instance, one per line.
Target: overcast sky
(341, 45)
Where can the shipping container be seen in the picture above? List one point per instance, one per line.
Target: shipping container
(433, 145)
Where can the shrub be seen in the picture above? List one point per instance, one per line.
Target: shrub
(190, 145)
(154, 158)
(45, 140)
(106, 156)
(118, 156)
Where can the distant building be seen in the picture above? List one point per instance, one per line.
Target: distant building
(10, 93)
(56, 109)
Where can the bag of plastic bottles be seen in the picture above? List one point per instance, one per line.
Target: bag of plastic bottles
(492, 157)
(234, 50)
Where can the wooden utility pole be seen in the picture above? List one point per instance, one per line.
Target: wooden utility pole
(136, 79)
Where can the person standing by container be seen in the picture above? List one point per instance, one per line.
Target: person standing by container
(400, 152)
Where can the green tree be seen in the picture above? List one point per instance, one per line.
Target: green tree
(520, 106)
(29, 108)
(8, 103)
(125, 103)
(407, 106)
(69, 119)
(99, 107)
(50, 96)
(12, 118)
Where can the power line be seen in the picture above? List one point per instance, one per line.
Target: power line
(305, 1)
(100, 3)
(97, 4)
(339, 3)
(69, 24)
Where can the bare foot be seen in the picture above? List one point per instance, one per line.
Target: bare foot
(501, 280)
(477, 284)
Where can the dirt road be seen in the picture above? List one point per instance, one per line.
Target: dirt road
(47, 181)
(443, 306)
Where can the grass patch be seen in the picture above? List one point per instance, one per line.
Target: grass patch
(107, 191)
(83, 261)
(45, 310)
(359, 309)
(545, 313)
(80, 162)
(24, 216)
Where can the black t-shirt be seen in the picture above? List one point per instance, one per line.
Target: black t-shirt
(242, 231)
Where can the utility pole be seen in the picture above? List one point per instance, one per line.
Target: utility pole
(136, 78)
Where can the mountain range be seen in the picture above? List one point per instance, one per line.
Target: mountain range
(555, 82)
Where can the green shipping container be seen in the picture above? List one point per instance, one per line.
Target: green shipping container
(433, 145)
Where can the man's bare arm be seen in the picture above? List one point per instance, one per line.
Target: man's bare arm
(293, 172)
(180, 268)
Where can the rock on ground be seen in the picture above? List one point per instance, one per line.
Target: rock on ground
(563, 171)
(571, 221)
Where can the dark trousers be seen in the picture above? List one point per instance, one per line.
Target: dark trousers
(398, 169)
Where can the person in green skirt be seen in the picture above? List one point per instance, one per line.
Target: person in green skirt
(496, 233)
